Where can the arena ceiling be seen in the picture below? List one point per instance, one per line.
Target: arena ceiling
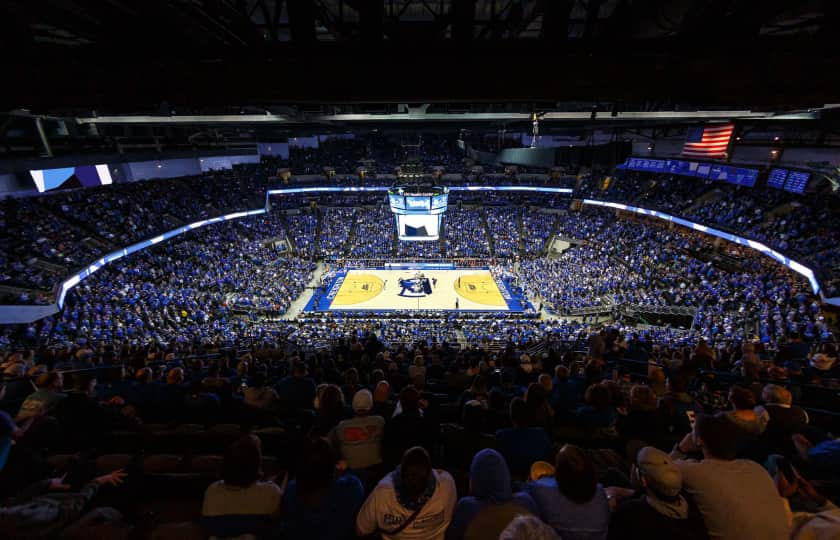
(74, 57)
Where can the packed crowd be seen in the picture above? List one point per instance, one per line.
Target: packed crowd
(335, 226)
(189, 287)
(185, 290)
(804, 227)
(613, 436)
(374, 235)
(302, 228)
(537, 227)
(465, 233)
(169, 378)
(425, 250)
(644, 263)
(504, 227)
(48, 237)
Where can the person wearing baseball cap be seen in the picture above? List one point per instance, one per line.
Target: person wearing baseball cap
(658, 509)
(359, 439)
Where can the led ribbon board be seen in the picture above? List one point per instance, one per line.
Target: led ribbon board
(758, 246)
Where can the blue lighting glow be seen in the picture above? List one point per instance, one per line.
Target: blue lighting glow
(758, 246)
(75, 279)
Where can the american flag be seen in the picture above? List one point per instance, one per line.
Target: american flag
(708, 141)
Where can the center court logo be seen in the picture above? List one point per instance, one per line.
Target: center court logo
(415, 287)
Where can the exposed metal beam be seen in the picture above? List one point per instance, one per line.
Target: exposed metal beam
(43, 136)
(415, 116)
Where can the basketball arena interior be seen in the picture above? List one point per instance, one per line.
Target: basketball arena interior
(420, 269)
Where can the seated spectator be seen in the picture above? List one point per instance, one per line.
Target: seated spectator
(743, 412)
(417, 371)
(523, 444)
(565, 395)
(643, 421)
(47, 509)
(321, 502)
(174, 391)
(214, 382)
(408, 428)
(200, 407)
(812, 514)
(382, 404)
(359, 439)
(597, 413)
(145, 394)
(415, 501)
(297, 391)
(331, 410)
(16, 385)
(572, 501)
(491, 505)
(240, 380)
(657, 511)
(737, 497)
(538, 407)
(823, 458)
(82, 419)
(677, 406)
(527, 527)
(45, 398)
(478, 390)
(824, 361)
(260, 396)
(782, 418)
(241, 502)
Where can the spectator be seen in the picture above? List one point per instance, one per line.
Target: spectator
(643, 421)
(201, 407)
(261, 396)
(82, 419)
(241, 502)
(415, 501)
(491, 505)
(597, 414)
(331, 410)
(782, 418)
(526, 527)
(657, 511)
(409, 428)
(382, 404)
(572, 501)
(736, 497)
(215, 383)
(359, 439)
(417, 371)
(822, 458)
(47, 509)
(678, 407)
(743, 412)
(45, 398)
(174, 392)
(322, 502)
(297, 391)
(522, 444)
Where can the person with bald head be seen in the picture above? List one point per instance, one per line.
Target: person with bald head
(782, 418)
(382, 404)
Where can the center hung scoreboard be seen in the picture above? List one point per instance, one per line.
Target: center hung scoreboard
(418, 211)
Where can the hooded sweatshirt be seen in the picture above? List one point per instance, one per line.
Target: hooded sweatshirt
(492, 504)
